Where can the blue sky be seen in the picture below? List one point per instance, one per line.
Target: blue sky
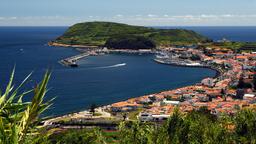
(138, 12)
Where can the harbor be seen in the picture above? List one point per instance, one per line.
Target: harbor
(85, 52)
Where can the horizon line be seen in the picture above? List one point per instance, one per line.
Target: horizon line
(135, 25)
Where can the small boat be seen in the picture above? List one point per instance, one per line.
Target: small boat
(73, 64)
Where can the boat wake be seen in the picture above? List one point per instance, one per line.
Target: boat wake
(112, 66)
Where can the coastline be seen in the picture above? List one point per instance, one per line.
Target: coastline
(52, 43)
(218, 74)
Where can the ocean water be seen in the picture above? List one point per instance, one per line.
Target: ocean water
(98, 80)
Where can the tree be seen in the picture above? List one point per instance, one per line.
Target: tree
(223, 94)
(177, 129)
(254, 81)
(92, 108)
(245, 126)
(195, 57)
(19, 119)
(205, 128)
(84, 136)
(138, 133)
(242, 84)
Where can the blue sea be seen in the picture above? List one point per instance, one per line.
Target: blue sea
(98, 80)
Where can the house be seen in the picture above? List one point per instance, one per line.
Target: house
(145, 117)
(248, 96)
(170, 102)
(124, 106)
(242, 58)
(204, 98)
(208, 82)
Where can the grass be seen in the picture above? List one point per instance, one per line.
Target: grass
(111, 136)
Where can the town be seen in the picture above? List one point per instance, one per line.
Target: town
(231, 90)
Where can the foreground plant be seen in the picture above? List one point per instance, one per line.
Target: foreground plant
(19, 119)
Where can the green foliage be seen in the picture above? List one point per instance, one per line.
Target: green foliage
(136, 133)
(231, 45)
(97, 33)
(242, 84)
(78, 137)
(130, 42)
(19, 119)
(196, 127)
(245, 122)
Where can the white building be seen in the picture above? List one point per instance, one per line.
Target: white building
(248, 96)
(170, 102)
(208, 82)
(145, 117)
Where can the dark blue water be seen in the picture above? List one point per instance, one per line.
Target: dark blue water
(235, 33)
(97, 80)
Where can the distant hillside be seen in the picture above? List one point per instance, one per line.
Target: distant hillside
(116, 35)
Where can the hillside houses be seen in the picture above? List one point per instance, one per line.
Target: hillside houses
(219, 95)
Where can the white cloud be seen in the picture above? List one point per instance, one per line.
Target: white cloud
(152, 15)
(12, 18)
(227, 15)
(119, 15)
(208, 16)
(139, 19)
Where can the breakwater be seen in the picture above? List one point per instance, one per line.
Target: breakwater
(71, 61)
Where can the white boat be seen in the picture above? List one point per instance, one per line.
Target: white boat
(162, 56)
(193, 64)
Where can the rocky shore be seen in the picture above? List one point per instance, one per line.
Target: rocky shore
(72, 46)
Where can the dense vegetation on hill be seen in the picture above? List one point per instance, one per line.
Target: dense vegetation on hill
(130, 42)
(98, 33)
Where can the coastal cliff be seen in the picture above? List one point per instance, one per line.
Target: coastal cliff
(116, 35)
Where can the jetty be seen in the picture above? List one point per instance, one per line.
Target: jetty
(72, 61)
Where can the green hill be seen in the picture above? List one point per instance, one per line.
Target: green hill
(116, 35)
